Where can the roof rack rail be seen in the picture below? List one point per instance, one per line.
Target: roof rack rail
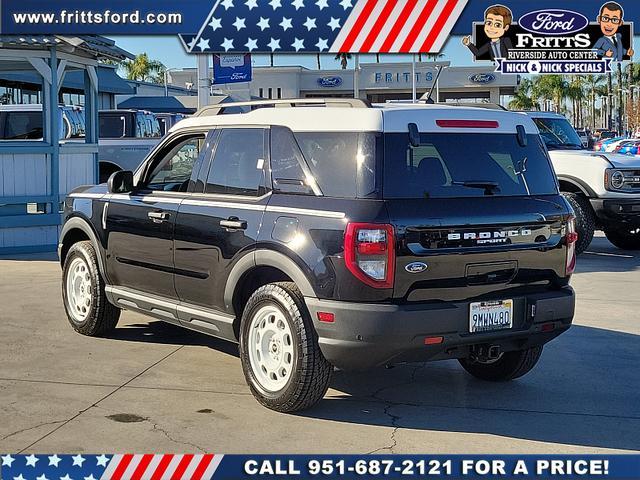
(218, 108)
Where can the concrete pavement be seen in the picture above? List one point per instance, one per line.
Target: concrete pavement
(153, 387)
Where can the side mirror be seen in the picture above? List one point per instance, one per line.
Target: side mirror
(414, 135)
(522, 135)
(120, 182)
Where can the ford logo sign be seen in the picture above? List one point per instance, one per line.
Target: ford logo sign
(482, 78)
(329, 81)
(553, 22)
(416, 267)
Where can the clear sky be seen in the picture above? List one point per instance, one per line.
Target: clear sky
(169, 51)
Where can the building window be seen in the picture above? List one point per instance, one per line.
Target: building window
(260, 92)
(270, 93)
(279, 92)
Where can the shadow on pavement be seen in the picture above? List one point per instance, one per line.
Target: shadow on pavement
(602, 256)
(583, 392)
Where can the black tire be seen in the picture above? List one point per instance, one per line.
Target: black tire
(585, 220)
(101, 316)
(310, 373)
(625, 239)
(508, 367)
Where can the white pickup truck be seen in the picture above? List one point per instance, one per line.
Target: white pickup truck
(126, 137)
(602, 188)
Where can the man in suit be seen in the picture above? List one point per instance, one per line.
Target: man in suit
(610, 45)
(497, 20)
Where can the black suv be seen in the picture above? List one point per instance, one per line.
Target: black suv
(333, 234)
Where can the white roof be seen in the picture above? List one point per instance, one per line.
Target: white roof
(393, 118)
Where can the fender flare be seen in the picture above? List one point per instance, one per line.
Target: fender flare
(576, 182)
(266, 258)
(80, 223)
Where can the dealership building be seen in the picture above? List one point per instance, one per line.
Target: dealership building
(376, 82)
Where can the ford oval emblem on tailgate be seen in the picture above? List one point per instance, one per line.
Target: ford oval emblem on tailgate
(416, 267)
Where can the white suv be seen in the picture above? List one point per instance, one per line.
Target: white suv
(602, 188)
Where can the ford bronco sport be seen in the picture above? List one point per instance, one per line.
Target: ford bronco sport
(602, 188)
(331, 233)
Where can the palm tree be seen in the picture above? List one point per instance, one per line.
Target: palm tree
(552, 89)
(620, 100)
(344, 59)
(575, 93)
(144, 69)
(523, 98)
(593, 86)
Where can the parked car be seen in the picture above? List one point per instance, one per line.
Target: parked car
(603, 188)
(25, 122)
(347, 236)
(612, 145)
(168, 120)
(630, 147)
(126, 137)
(585, 137)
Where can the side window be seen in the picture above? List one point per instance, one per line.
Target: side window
(173, 172)
(289, 172)
(238, 163)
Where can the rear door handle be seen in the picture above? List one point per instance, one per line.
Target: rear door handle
(158, 216)
(234, 223)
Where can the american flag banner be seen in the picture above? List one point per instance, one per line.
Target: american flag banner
(109, 467)
(334, 26)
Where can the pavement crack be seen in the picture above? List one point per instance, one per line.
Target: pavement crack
(31, 428)
(157, 428)
(95, 404)
(392, 438)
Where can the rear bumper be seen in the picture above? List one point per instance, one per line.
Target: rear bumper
(368, 335)
(612, 212)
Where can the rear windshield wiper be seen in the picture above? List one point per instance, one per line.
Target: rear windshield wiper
(489, 187)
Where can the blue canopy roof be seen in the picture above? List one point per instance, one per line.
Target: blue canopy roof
(108, 80)
(156, 104)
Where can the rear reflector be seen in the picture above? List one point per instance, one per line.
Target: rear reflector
(467, 123)
(548, 327)
(433, 340)
(326, 317)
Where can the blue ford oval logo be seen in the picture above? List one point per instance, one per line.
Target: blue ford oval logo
(482, 78)
(553, 22)
(416, 267)
(330, 81)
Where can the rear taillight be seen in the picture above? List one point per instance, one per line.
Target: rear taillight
(369, 253)
(570, 239)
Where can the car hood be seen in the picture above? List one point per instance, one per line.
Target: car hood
(617, 160)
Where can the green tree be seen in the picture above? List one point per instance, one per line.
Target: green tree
(143, 69)
(552, 89)
(523, 98)
(593, 89)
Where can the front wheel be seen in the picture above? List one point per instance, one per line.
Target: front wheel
(585, 220)
(508, 366)
(279, 351)
(88, 310)
(624, 238)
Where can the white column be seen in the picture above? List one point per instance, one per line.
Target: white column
(204, 83)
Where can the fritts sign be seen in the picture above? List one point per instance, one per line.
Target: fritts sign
(552, 40)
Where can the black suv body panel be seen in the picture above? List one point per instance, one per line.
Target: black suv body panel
(182, 255)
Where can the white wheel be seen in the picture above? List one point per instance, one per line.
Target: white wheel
(79, 290)
(270, 348)
(88, 309)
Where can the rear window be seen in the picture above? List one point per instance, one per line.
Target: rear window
(465, 165)
(112, 126)
(342, 163)
(558, 133)
(21, 125)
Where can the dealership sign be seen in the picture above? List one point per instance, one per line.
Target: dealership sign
(482, 78)
(231, 68)
(552, 41)
(329, 82)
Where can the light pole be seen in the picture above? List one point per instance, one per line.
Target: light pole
(166, 85)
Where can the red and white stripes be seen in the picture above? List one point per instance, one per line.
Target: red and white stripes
(398, 26)
(162, 467)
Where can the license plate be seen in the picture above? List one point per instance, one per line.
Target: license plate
(489, 316)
